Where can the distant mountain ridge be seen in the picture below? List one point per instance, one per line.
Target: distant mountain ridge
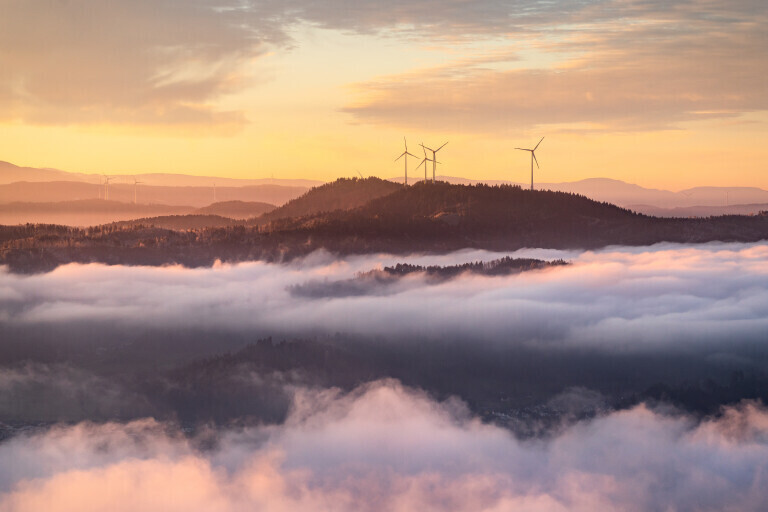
(11, 173)
(58, 191)
(82, 212)
(91, 212)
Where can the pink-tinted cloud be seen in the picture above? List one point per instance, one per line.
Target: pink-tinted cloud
(388, 448)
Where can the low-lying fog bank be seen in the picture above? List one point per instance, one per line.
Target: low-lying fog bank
(617, 298)
(387, 447)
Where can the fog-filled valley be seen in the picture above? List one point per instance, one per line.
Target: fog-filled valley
(272, 384)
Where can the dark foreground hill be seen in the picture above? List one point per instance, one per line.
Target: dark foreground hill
(423, 218)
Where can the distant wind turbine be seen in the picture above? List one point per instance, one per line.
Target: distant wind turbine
(533, 158)
(434, 158)
(406, 154)
(135, 183)
(107, 179)
(361, 175)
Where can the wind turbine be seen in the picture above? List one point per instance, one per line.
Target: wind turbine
(533, 158)
(424, 163)
(434, 158)
(406, 154)
(134, 188)
(361, 174)
(107, 179)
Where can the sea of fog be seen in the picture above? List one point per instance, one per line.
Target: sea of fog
(627, 298)
(384, 445)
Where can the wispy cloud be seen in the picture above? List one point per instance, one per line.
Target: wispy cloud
(139, 62)
(171, 61)
(620, 66)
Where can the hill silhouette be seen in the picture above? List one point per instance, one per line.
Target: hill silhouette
(236, 209)
(82, 212)
(457, 215)
(425, 217)
(146, 193)
(11, 173)
(701, 211)
(342, 194)
(182, 222)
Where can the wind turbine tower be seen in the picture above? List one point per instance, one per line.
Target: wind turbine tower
(135, 183)
(424, 162)
(406, 154)
(434, 158)
(533, 158)
(107, 179)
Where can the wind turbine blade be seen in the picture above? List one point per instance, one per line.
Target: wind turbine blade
(537, 145)
(411, 154)
(523, 149)
(406, 144)
(425, 147)
(441, 147)
(534, 158)
(398, 158)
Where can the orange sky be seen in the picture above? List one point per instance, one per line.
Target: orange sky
(668, 96)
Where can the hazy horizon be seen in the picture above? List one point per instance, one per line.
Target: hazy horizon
(251, 89)
(414, 177)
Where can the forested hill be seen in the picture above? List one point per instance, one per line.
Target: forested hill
(181, 222)
(481, 213)
(425, 217)
(342, 194)
(488, 206)
(440, 216)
